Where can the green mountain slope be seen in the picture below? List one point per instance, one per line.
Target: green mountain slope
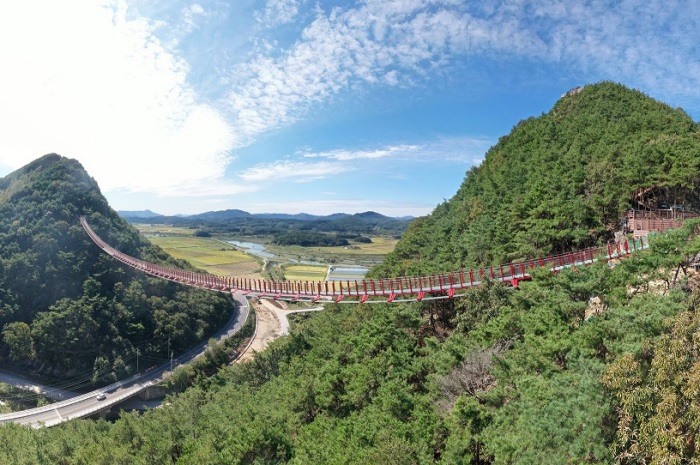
(65, 306)
(595, 365)
(539, 379)
(560, 181)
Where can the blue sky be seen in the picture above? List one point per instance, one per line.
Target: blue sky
(312, 106)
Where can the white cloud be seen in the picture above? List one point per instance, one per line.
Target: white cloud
(213, 187)
(346, 155)
(377, 42)
(82, 80)
(90, 80)
(278, 12)
(191, 15)
(294, 171)
(650, 44)
(463, 150)
(398, 42)
(455, 149)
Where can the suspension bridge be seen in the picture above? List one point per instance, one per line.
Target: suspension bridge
(400, 289)
(379, 290)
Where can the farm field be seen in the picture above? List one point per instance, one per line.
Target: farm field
(215, 255)
(305, 272)
(344, 273)
(380, 246)
(153, 229)
(356, 254)
(209, 254)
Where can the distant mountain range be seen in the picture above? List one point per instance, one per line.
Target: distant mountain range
(133, 216)
(242, 223)
(138, 214)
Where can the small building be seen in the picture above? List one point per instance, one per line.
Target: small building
(642, 222)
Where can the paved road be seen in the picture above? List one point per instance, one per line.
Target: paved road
(284, 321)
(25, 384)
(87, 404)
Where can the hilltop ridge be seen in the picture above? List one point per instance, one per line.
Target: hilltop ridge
(244, 223)
(559, 181)
(135, 216)
(595, 364)
(57, 290)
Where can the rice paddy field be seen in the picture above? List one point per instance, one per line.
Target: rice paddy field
(356, 254)
(215, 255)
(305, 272)
(341, 273)
(209, 254)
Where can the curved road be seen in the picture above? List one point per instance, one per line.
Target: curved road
(20, 382)
(88, 404)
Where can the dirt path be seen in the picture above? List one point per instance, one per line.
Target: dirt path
(271, 323)
(268, 329)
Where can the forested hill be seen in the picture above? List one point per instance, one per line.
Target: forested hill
(65, 306)
(560, 181)
(594, 365)
(241, 223)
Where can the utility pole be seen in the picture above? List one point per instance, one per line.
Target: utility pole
(171, 355)
(138, 352)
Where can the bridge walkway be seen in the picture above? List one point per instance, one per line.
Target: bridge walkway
(399, 289)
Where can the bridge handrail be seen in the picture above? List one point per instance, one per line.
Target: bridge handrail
(391, 288)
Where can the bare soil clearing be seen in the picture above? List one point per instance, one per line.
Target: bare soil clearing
(268, 329)
(271, 323)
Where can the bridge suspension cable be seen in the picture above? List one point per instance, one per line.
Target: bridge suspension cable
(377, 290)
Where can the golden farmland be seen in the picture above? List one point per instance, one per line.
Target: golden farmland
(215, 255)
(209, 254)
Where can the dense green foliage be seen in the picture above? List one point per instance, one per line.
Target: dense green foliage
(658, 387)
(594, 365)
(310, 239)
(245, 224)
(559, 182)
(68, 308)
(537, 382)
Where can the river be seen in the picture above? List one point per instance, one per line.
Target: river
(341, 272)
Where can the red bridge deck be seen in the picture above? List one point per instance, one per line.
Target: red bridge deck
(400, 289)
